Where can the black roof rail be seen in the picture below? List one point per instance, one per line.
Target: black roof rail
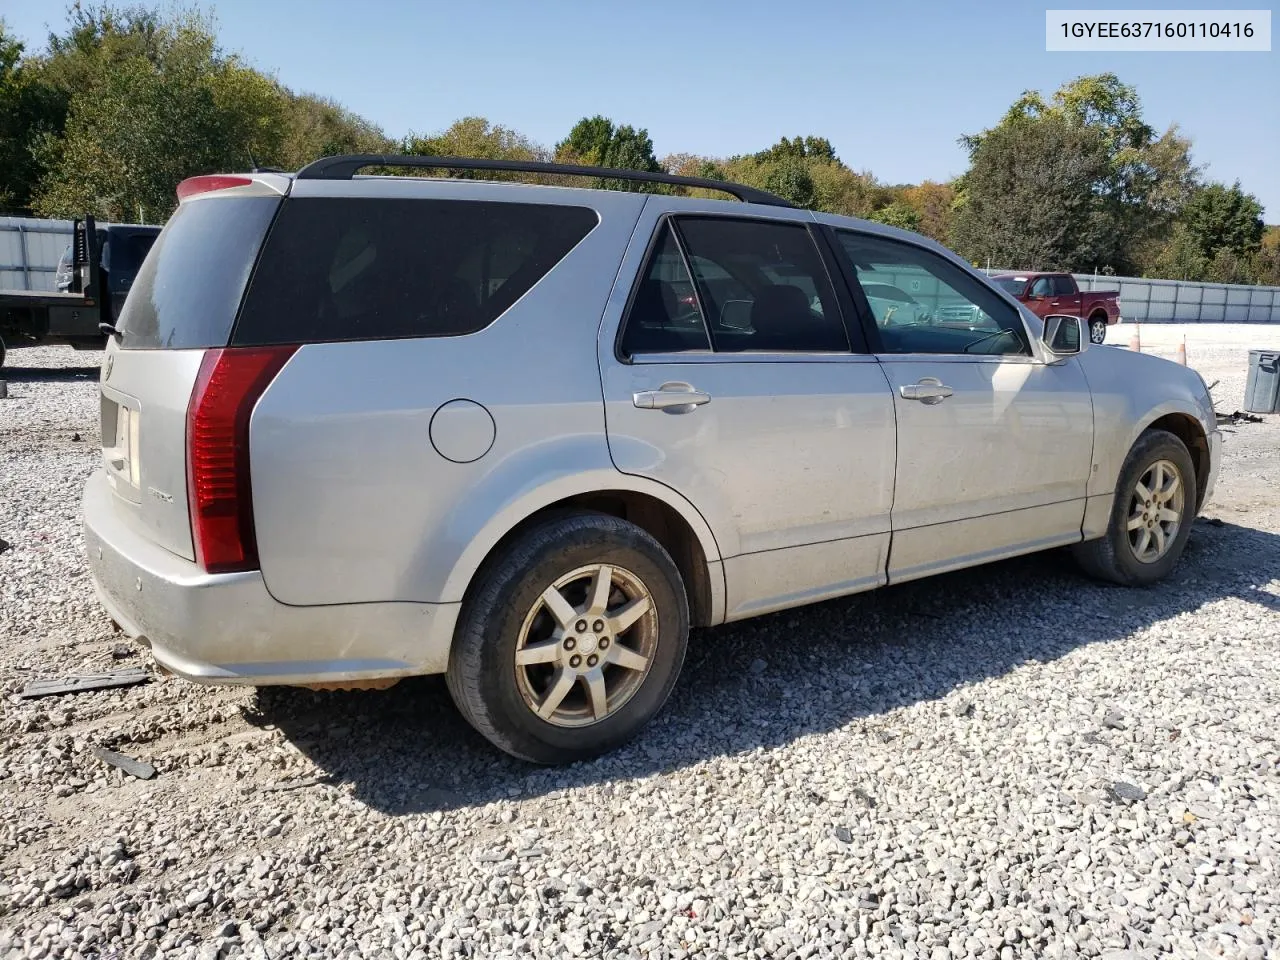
(345, 167)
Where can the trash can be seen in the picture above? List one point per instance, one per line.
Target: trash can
(1262, 389)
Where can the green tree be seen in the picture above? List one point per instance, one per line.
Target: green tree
(1033, 198)
(1221, 218)
(898, 214)
(599, 142)
(30, 110)
(142, 121)
(320, 127)
(1146, 178)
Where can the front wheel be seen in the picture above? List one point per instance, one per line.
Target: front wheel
(1155, 504)
(1098, 330)
(571, 641)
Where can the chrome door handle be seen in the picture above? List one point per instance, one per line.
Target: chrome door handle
(929, 390)
(671, 397)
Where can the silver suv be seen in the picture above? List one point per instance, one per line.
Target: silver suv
(357, 428)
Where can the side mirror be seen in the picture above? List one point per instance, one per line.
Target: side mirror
(1063, 335)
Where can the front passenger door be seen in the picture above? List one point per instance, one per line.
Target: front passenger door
(995, 446)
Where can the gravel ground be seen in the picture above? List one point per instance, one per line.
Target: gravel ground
(1006, 762)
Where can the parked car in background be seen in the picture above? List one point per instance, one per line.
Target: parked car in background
(1049, 293)
(91, 283)
(359, 428)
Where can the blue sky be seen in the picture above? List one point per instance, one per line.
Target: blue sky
(892, 85)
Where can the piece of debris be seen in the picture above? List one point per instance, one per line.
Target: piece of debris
(135, 768)
(844, 834)
(1114, 720)
(92, 681)
(4, 389)
(324, 781)
(1128, 792)
(4, 544)
(75, 438)
(963, 708)
(123, 651)
(1237, 418)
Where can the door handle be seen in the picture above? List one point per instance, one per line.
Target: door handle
(671, 397)
(930, 390)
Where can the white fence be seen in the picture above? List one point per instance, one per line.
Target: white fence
(29, 251)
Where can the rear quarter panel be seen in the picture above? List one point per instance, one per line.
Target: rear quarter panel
(353, 503)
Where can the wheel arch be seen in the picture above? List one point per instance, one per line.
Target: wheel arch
(1190, 431)
(659, 511)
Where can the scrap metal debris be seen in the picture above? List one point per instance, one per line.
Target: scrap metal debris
(1237, 418)
(93, 681)
(135, 768)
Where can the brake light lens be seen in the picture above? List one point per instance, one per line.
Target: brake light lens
(228, 386)
(192, 186)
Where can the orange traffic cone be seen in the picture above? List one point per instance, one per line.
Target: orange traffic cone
(1182, 352)
(1135, 342)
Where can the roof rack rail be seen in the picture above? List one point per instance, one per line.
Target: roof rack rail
(345, 167)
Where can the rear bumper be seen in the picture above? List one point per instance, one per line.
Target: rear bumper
(228, 629)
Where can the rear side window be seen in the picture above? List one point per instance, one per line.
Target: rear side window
(189, 288)
(374, 269)
(1063, 287)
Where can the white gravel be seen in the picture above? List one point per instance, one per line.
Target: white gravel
(1006, 762)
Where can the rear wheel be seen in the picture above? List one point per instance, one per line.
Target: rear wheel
(1155, 503)
(1098, 329)
(571, 641)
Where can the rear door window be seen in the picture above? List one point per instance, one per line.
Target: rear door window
(665, 316)
(348, 268)
(762, 285)
(1063, 287)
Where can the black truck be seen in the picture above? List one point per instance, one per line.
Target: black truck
(93, 279)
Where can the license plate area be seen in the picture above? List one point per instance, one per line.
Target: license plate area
(121, 422)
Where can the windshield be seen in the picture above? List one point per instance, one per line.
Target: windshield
(1012, 285)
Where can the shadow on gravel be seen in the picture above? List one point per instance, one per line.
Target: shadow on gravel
(17, 374)
(406, 750)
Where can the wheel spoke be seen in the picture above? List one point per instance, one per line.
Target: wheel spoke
(601, 586)
(1170, 491)
(599, 695)
(1141, 492)
(545, 652)
(1136, 521)
(626, 657)
(1169, 516)
(1158, 531)
(1144, 541)
(555, 696)
(624, 617)
(559, 608)
(1157, 477)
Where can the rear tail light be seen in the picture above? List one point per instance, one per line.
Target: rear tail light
(228, 385)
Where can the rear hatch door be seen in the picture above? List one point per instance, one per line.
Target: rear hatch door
(183, 301)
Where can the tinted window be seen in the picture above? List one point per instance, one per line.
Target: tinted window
(1041, 287)
(1013, 285)
(762, 286)
(951, 311)
(664, 315)
(1063, 286)
(375, 269)
(189, 287)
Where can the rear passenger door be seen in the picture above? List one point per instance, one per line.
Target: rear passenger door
(729, 375)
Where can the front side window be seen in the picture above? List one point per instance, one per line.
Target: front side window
(1042, 287)
(945, 310)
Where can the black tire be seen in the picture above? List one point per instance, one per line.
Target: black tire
(1098, 329)
(482, 675)
(1112, 557)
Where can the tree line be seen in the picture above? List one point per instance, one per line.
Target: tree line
(124, 103)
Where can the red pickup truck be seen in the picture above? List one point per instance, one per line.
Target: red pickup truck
(1048, 293)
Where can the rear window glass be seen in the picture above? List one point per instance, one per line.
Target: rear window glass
(374, 269)
(189, 288)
